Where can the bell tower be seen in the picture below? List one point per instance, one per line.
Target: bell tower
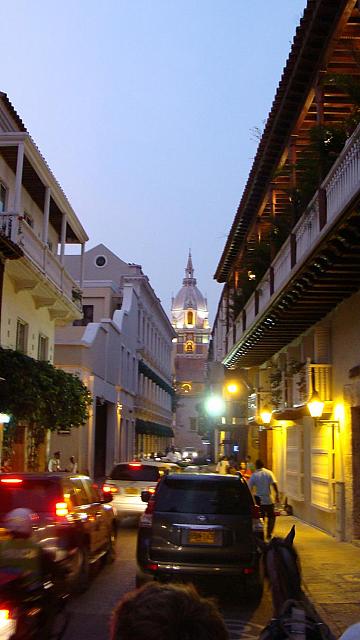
(189, 317)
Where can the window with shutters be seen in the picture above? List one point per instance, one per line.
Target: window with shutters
(22, 329)
(295, 462)
(323, 465)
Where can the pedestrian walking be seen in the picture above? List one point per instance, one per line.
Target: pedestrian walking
(73, 467)
(262, 482)
(244, 470)
(249, 465)
(54, 462)
(223, 465)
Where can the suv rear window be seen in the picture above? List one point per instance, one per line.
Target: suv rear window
(140, 473)
(38, 495)
(203, 497)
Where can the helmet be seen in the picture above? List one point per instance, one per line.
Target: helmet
(20, 521)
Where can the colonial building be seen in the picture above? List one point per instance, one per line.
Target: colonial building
(36, 223)
(288, 317)
(121, 349)
(189, 316)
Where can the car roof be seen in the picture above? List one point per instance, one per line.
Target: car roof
(206, 477)
(149, 463)
(45, 475)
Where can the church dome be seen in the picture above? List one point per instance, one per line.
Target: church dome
(189, 296)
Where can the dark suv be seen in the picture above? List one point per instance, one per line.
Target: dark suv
(200, 525)
(74, 522)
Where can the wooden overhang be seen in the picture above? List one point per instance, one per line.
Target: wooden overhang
(330, 275)
(310, 51)
(36, 189)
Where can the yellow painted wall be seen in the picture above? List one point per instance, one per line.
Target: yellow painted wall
(21, 305)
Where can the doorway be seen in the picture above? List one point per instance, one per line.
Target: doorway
(100, 439)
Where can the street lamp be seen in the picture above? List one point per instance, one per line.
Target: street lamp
(266, 415)
(315, 404)
(215, 406)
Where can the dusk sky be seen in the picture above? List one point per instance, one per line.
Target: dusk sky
(144, 111)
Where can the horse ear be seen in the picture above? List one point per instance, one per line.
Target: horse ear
(290, 536)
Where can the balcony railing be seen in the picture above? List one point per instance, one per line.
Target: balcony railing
(340, 187)
(13, 227)
(299, 387)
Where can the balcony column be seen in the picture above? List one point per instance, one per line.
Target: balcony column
(82, 264)
(293, 179)
(63, 237)
(46, 215)
(18, 177)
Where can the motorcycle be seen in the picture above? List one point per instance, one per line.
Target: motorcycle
(30, 616)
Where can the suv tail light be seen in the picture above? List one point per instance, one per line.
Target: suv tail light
(146, 518)
(257, 521)
(11, 480)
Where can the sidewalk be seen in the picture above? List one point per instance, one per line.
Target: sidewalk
(330, 572)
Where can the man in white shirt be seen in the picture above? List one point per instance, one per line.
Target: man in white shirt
(261, 483)
(54, 462)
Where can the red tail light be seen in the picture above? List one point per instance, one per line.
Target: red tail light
(61, 509)
(110, 488)
(151, 566)
(257, 521)
(11, 480)
(135, 464)
(150, 506)
(4, 616)
(151, 490)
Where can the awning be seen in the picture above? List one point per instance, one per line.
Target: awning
(149, 373)
(153, 428)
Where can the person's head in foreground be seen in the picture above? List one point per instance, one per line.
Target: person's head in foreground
(163, 611)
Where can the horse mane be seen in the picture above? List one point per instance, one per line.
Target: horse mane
(283, 570)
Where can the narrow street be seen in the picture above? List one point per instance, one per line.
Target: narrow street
(90, 612)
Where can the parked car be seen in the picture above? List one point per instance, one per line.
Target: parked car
(200, 526)
(74, 522)
(128, 479)
(189, 454)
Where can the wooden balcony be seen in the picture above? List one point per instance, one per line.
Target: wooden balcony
(38, 257)
(317, 267)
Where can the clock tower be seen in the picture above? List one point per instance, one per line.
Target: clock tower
(189, 317)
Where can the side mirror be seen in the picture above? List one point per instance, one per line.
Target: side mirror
(107, 497)
(145, 496)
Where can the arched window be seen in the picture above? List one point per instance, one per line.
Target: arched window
(190, 317)
(189, 346)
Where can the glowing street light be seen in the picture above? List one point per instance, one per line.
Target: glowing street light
(266, 415)
(315, 405)
(232, 387)
(215, 406)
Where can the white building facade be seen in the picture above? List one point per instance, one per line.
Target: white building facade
(122, 352)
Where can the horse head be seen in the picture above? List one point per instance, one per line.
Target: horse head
(282, 568)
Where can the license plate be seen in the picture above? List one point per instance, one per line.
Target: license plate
(130, 491)
(200, 536)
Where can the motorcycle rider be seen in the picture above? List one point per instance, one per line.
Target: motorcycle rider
(25, 568)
